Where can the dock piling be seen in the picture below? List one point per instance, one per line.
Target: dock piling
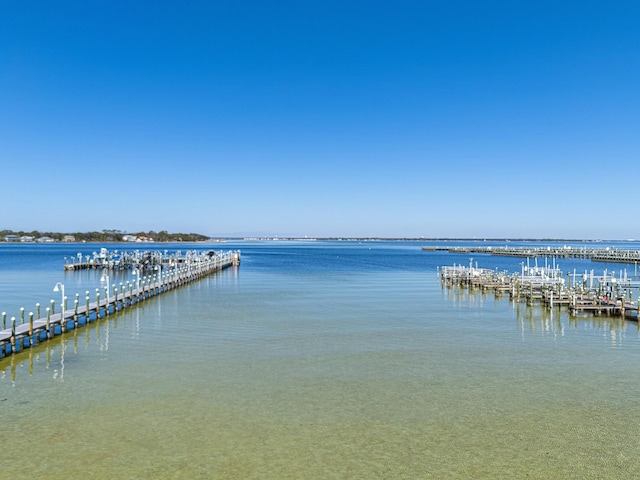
(13, 334)
(31, 337)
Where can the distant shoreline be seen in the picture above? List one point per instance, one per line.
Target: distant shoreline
(309, 239)
(434, 239)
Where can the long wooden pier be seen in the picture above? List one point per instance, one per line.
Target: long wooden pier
(36, 329)
(608, 254)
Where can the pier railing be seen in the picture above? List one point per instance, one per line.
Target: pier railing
(17, 335)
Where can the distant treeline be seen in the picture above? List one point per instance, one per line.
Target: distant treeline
(106, 236)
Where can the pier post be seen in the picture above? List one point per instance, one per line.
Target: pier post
(106, 304)
(53, 308)
(86, 299)
(63, 325)
(4, 320)
(37, 311)
(48, 323)
(97, 303)
(13, 334)
(21, 315)
(33, 339)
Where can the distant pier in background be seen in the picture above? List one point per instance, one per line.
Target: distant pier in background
(608, 254)
(169, 272)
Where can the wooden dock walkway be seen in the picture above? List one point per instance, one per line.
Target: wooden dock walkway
(36, 329)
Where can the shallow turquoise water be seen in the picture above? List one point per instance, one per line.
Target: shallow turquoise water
(321, 360)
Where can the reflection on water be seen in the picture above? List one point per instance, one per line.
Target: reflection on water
(540, 320)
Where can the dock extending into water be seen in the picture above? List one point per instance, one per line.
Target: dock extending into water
(19, 334)
(581, 292)
(608, 254)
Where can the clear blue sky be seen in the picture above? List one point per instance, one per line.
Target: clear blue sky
(322, 118)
